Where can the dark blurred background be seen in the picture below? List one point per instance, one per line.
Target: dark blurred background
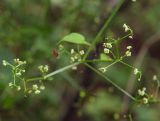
(30, 29)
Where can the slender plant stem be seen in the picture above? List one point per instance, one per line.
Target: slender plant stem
(157, 89)
(95, 60)
(130, 117)
(126, 36)
(127, 64)
(104, 28)
(61, 70)
(111, 64)
(114, 84)
(24, 84)
(34, 79)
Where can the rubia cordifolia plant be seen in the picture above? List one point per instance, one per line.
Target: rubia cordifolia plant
(78, 54)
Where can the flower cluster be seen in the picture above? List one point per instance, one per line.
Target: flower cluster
(76, 56)
(128, 52)
(19, 81)
(17, 70)
(142, 93)
(154, 78)
(35, 89)
(107, 47)
(43, 69)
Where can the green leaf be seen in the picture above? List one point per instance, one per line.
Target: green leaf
(75, 38)
(104, 57)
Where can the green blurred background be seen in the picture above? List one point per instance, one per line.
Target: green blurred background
(30, 29)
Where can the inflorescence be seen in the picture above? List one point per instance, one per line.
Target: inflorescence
(20, 82)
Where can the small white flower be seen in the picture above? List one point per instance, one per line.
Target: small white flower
(154, 78)
(76, 57)
(24, 62)
(145, 100)
(17, 61)
(40, 67)
(142, 92)
(128, 53)
(42, 87)
(131, 37)
(10, 84)
(37, 91)
(133, 0)
(106, 50)
(4, 62)
(126, 27)
(46, 68)
(61, 47)
(72, 59)
(104, 44)
(72, 51)
(144, 88)
(23, 71)
(18, 88)
(81, 52)
(136, 71)
(108, 45)
(129, 47)
(35, 87)
(43, 69)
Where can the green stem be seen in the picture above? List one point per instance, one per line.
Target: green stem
(113, 54)
(34, 79)
(112, 64)
(122, 38)
(130, 117)
(24, 84)
(61, 70)
(157, 89)
(95, 60)
(14, 76)
(103, 30)
(114, 84)
(127, 65)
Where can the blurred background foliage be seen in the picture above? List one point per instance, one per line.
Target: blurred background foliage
(30, 29)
